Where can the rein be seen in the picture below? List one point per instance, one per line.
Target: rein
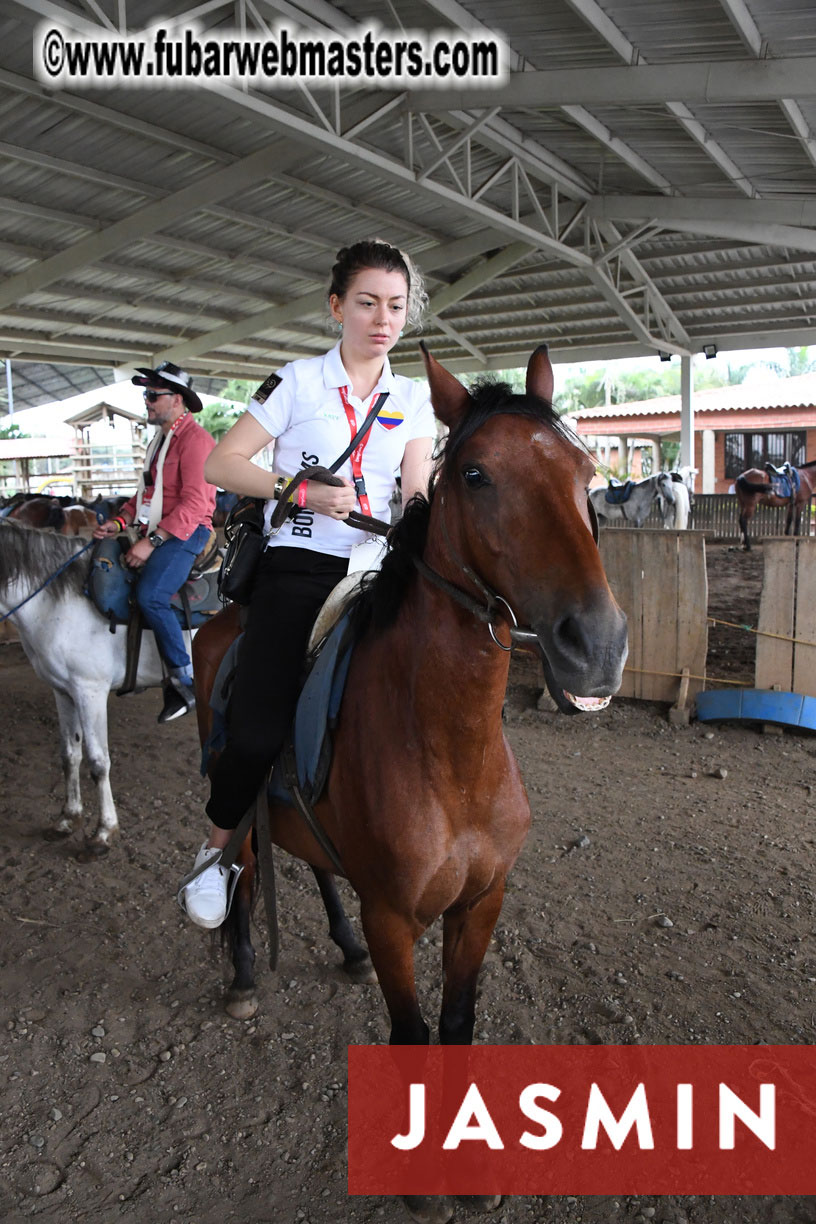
(363, 522)
(48, 580)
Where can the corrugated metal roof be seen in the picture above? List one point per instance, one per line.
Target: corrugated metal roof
(798, 392)
(661, 222)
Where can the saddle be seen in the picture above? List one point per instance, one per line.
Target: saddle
(616, 493)
(785, 480)
(110, 585)
(306, 758)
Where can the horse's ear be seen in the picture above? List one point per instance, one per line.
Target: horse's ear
(540, 374)
(449, 398)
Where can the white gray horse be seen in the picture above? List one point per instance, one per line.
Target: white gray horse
(70, 647)
(635, 510)
(676, 517)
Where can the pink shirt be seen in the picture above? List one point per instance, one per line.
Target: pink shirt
(188, 500)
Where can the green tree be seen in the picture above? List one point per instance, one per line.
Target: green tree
(12, 431)
(797, 361)
(219, 417)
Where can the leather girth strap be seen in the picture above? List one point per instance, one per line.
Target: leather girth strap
(266, 865)
(133, 647)
(303, 805)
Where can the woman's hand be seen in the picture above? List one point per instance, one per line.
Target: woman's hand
(335, 501)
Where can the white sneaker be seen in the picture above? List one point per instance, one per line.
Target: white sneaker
(205, 897)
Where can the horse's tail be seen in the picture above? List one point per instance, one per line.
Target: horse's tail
(750, 486)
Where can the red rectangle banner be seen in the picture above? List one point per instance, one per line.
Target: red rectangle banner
(582, 1120)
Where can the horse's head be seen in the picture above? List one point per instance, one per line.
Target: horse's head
(664, 487)
(510, 507)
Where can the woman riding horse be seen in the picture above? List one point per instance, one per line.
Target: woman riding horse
(309, 410)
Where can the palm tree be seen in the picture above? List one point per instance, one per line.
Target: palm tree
(798, 361)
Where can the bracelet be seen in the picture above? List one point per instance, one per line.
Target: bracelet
(120, 522)
(280, 485)
(301, 493)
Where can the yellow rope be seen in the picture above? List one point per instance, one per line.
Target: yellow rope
(645, 671)
(761, 632)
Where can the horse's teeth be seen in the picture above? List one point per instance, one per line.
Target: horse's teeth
(588, 703)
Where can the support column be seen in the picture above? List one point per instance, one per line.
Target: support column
(686, 412)
(708, 474)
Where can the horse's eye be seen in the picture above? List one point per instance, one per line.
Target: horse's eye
(474, 477)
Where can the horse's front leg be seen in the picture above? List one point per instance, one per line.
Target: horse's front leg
(92, 706)
(465, 938)
(70, 729)
(391, 937)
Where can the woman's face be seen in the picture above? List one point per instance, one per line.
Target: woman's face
(372, 312)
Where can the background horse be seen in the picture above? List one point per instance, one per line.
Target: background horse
(635, 510)
(754, 488)
(425, 804)
(50, 513)
(676, 516)
(70, 647)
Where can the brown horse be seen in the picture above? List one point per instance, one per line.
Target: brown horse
(49, 512)
(754, 488)
(425, 804)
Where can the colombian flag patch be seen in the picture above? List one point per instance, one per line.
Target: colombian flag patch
(390, 418)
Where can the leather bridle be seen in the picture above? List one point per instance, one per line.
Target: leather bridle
(489, 610)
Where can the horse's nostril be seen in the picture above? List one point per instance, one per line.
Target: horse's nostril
(568, 634)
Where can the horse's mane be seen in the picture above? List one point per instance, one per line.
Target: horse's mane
(807, 465)
(27, 552)
(381, 596)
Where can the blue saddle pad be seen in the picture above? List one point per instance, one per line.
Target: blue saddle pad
(784, 486)
(616, 495)
(110, 587)
(315, 717)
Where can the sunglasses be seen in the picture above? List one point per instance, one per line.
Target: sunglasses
(151, 396)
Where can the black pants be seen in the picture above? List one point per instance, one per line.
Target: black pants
(291, 586)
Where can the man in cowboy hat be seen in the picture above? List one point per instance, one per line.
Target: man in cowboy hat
(172, 509)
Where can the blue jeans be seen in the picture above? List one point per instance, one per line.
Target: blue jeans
(165, 571)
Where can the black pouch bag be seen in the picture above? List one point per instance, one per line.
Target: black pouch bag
(243, 530)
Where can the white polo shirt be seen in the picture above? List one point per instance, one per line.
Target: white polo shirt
(305, 415)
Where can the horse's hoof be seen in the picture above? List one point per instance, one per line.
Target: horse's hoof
(429, 1208)
(91, 851)
(241, 1004)
(361, 972)
(480, 1202)
(55, 833)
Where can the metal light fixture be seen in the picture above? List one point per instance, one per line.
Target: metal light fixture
(663, 356)
(710, 351)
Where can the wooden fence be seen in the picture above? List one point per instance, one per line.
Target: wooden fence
(788, 609)
(659, 579)
(717, 514)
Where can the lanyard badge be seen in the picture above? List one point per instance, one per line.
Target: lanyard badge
(356, 455)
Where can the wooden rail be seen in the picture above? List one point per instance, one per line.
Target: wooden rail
(717, 515)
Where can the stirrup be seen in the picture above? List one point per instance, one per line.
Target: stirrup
(214, 861)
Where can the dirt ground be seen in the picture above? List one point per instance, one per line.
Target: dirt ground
(665, 895)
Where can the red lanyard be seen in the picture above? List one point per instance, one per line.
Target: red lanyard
(356, 455)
